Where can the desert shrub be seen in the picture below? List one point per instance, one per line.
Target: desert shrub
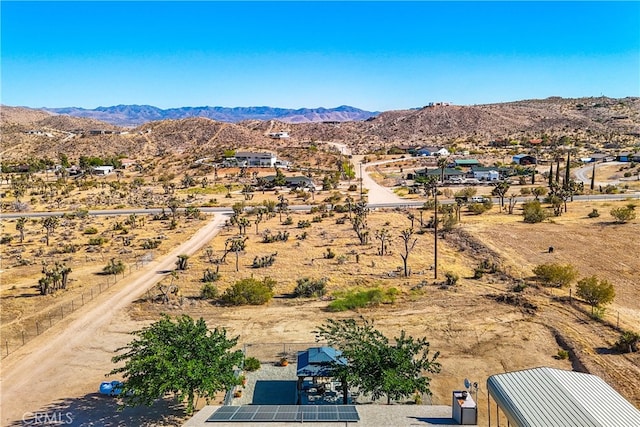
(627, 174)
(519, 287)
(352, 187)
(210, 276)
(114, 267)
(251, 364)
(302, 236)
(594, 214)
(533, 212)
(97, 241)
(282, 236)
(304, 224)
(151, 243)
(5, 240)
(611, 189)
(330, 254)
(90, 230)
(208, 291)
(628, 342)
(249, 292)
(485, 266)
(264, 261)
(288, 221)
(480, 208)
(308, 287)
(555, 275)
(623, 214)
(355, 299)
(451, 278)
(69, 249)
(562, 355)
(317, 218)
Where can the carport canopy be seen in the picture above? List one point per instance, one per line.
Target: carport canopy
(555, 397)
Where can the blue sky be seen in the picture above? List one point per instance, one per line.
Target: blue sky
(371, 55)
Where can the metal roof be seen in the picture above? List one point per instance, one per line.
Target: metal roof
(548, 397)
(318, 361)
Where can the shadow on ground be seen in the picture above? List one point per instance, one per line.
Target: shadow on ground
(97, 410)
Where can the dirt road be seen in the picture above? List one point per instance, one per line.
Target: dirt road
(376, 193)
(76, 351)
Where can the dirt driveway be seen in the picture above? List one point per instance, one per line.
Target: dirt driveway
(75, 352)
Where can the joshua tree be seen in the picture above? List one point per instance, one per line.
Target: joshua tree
(182, 262)
(50, 223)
(406, 236)
(359, 222)
(20, 223)
(283, 205)
(235, 244)
(500, 190)
(385, 237)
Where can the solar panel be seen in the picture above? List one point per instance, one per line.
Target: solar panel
(266, 413)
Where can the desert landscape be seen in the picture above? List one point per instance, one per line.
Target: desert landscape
(123, 236)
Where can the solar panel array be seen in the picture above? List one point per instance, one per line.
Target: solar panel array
(282, 413)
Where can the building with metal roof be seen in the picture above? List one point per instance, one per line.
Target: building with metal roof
(548, 397)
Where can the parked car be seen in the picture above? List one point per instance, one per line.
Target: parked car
(111, 388)
(477, 199)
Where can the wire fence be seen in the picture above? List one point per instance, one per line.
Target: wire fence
(17, 334)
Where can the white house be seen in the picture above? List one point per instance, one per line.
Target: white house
(432, 151)
(262, 159)
(486, 174)
(102, 170)
(279, 135)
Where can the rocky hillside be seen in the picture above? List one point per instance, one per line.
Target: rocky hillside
(592, 120)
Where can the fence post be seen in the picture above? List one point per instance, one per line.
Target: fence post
(22, 337)
(6, 344)
(37, 328)
(50, 319)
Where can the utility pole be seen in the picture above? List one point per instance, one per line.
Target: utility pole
(435, 233)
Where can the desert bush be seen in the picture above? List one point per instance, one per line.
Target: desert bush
(330, 254)
(208, 291)
(304, 224)
(288, 221)
(151, 243)
(628, 342)
(97, 241)
(317, 218)
(533, 212)
(555, 275)
(5, 240)
(114, 267)
(308, 287)
(352, 187)
(519, 287)
(251, 364)
(623, 214)
(594, 214)
(90, 230)
(249, 292)
(451, 278)
(562, 355)
(264, 261)
(210, 276)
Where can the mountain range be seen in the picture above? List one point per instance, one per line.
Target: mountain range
(135, 115)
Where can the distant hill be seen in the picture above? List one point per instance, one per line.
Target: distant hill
(589, 122)
(135, 115)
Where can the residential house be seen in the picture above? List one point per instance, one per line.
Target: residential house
(449, 173)
(628, 157)
(260, 159)
(524, 159)
(432, 151)
(102, 170)
(279, 135)
(466, 163)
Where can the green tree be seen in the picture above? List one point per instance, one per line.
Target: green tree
(555, 275)
(377, 365)
(595, 292)
(182, 358)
